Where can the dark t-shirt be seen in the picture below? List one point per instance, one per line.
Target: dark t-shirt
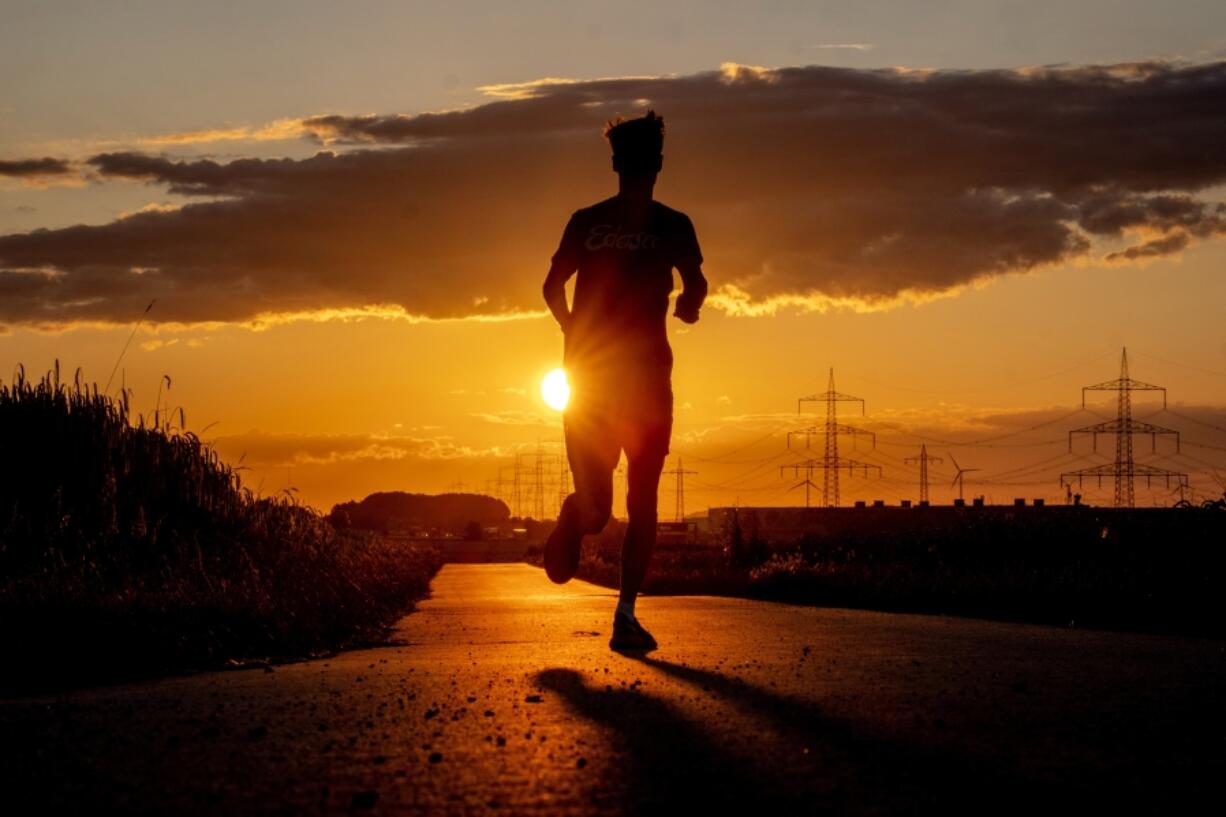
(625, 274)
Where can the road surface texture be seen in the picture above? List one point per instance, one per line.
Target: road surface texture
(500, 696)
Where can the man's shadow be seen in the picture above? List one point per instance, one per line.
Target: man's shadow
(800, 761)
(670, 765)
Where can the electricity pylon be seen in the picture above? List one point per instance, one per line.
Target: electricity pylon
(517, 487)
(510, 497)
(830, 463)
(679, 472)
(533, 481)
(538, 493)
(923, 459)
(1124, 470)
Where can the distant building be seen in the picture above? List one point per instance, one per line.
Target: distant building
(675, 533)
(786, 524)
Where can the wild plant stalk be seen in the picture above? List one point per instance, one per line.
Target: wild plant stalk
(107, 388)
(142, 526)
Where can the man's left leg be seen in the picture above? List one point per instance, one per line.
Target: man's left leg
(645, 463)
(644, 479)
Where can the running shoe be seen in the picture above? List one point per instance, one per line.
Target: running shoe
(562, 551)
(630, 636)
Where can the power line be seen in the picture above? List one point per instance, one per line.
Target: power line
(737, 450)
(744, 476)
(1004, 436)
(1197, 460)
(1204, 445)
(1014, 384)
(1041, 465)
(1181, 365)
(950, 444)
(1193, 419)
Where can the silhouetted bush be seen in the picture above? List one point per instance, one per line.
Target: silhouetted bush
(1156, 570)
(129, 548)
(743, 548)
(1150, 569)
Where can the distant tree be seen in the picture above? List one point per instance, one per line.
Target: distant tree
(743, 545)
(397, 510)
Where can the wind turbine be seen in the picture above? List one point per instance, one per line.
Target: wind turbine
(806, 483)
(958, 476)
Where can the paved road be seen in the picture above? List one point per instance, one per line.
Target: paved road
(501, 697)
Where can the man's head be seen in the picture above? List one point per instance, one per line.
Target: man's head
(638, 144)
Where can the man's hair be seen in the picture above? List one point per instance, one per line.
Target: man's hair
(637, 143)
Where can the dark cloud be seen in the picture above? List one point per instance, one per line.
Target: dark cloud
(1152, 249)
(34, 168)
(1112, 212)
(806, 184)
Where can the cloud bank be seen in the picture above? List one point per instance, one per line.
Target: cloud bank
(810, 187)
(35, 168)
(265, 450)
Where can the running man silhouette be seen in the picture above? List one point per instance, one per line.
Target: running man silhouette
(617, 357)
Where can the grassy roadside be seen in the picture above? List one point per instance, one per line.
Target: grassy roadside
(127, 548)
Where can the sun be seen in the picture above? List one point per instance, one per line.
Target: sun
(555, 391)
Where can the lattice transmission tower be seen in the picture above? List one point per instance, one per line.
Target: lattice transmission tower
(1124, 470)
(533, 487)
(830, 463)
(508, 488)
(923, 459)
(679, 472)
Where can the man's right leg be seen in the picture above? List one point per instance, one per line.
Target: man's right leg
(645, 467)
(592, 454)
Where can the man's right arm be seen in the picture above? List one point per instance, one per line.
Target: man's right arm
(563, 265)
(554, 290)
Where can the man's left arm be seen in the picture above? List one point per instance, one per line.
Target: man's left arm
(689, 264)
(693, 291)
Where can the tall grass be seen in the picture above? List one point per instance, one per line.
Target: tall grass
(127, 545)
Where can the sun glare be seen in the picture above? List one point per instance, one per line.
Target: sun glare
(555, 390)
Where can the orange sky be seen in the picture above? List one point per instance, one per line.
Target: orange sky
(338, 410)
(350, 302)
